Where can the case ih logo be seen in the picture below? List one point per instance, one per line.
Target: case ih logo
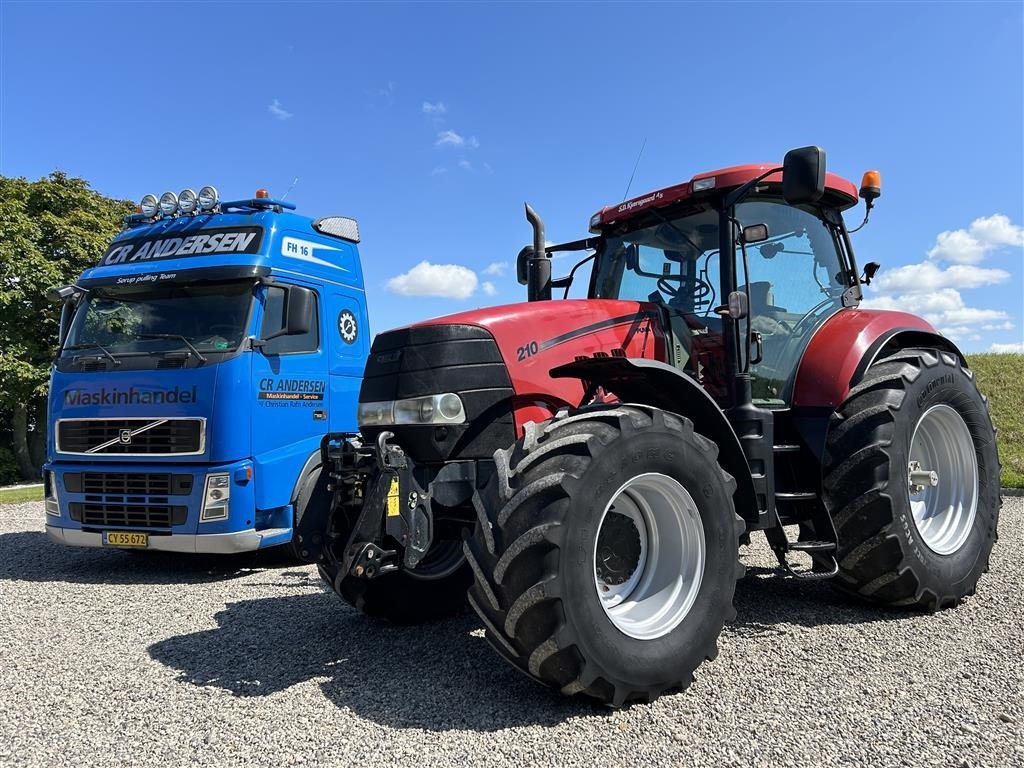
(203, 243)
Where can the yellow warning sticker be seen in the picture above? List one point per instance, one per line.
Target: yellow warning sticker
(393, 500)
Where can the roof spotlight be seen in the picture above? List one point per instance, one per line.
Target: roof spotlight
(186, 201)
(168, 203)
(149, 206)
(207, 198)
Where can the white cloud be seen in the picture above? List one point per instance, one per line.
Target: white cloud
(437, 108)
(465, 165)
(438, 170)
(278, 111)
(969, 246)
(945, 309)
(450, 138)
(488, 288)
(446, 281)
(1015, 347)
(926, 277)
(496, 268)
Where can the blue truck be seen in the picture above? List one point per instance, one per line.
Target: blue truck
(201, 362)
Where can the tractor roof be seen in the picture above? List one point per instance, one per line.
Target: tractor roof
(838, 191)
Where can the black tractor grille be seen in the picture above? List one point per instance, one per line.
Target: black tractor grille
(128, 484)
(127, 515)
(104, 437)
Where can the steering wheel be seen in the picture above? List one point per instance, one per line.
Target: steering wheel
(698, 288)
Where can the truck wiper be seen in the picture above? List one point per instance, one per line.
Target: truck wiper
(173, 336)
(102, 349)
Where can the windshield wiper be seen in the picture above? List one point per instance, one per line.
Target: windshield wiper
(102, 349)
(173, 336)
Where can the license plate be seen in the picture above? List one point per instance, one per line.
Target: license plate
(126, 539)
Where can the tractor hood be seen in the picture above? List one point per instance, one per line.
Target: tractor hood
(534, 337)
(498, 361)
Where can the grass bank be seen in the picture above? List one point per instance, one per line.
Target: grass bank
(18, 495)
(1001, 379)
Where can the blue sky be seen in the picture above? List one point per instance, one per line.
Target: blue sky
(432, 124)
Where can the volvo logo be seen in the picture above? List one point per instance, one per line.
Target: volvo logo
(125, 437)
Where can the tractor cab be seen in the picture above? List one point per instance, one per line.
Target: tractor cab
(791, 269)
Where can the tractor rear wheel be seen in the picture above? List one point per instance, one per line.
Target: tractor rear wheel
(606, 553)
(911, 477)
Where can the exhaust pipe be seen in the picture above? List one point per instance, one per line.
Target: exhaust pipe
(538, 265)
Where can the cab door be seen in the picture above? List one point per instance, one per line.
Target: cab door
(291, 397)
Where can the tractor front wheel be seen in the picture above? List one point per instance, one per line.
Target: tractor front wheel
(605, 559)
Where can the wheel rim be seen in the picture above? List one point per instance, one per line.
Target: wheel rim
(649, 556)
(942, 479)
(443, 559)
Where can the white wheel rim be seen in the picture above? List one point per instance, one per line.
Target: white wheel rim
(647, 590)
(945, 504)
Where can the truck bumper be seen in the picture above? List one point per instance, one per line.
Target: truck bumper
(88, 499)
(206, 543)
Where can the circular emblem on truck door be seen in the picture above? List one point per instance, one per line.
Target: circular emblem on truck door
(347, 326)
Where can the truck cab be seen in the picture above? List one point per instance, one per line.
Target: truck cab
(201, 362)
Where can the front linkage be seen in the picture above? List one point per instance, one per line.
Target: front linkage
(375, 485)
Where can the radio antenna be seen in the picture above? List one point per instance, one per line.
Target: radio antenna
(294, 182)
(638, 156)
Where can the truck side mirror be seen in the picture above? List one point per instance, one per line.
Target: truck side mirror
(869, 272)
(298, 306)
(803, 175)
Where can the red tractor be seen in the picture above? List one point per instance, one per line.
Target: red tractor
(588, 469)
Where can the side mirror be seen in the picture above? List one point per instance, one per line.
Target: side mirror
(298, 306)
(523, 265)
(60, 293)
(869, 271)
(803, 175)
(755, 233)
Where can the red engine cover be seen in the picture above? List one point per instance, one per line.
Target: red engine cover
(535, 337)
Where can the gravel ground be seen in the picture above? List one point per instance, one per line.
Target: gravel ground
(110, 657)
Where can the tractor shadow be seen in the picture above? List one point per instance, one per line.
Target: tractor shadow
(438, 676)
(32, 556)
(767, 600)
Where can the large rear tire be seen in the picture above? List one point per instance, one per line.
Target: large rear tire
(907, 537)
(606, 554)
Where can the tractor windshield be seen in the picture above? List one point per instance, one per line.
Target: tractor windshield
(795, 280)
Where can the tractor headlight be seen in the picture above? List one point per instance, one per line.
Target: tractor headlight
(50, 501)
(216, 497)
(446, 408)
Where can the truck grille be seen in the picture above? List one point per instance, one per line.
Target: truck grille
(131, 437)
(127, 515)
(130, 484)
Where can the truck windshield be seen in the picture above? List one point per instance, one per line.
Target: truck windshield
(211, 317)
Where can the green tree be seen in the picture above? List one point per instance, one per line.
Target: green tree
(50, 230)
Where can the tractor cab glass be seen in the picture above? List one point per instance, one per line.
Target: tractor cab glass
(795, 280)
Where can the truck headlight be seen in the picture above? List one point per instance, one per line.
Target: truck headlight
(216, 497)
(446, 408)
(50, 500)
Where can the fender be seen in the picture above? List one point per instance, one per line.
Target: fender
(651, 382)
(847, 343)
